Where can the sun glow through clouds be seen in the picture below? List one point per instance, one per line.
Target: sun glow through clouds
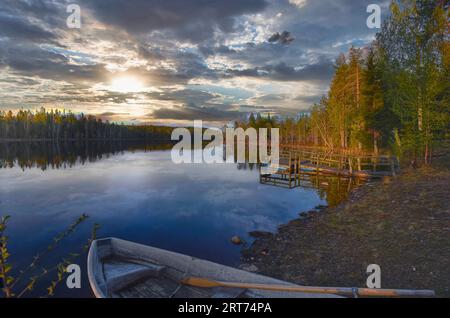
(126, 85)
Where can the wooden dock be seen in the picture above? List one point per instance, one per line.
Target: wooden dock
(296, 162)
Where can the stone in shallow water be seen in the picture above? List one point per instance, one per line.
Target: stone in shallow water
(236, 240)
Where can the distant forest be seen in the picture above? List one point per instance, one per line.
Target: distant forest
(61, 125)
(392, 96)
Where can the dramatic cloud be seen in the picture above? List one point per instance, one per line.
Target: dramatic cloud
(282, 72)
(193, 20)
(20, 28)
(298, 3)
(284, 38)
(193, 112)
(175, 60)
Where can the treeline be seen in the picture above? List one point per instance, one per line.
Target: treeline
(56, 155)
(61, 125)
(393, 95)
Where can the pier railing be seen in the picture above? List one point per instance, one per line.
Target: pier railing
(297, 161)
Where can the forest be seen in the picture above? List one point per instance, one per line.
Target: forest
(61, 125)
(392, 96)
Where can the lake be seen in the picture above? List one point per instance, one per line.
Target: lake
(136, 193)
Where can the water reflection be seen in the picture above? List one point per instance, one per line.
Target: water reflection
(332, 189)
(56, 155)
(135, 192)
(62, 155)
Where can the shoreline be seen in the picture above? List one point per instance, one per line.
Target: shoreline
(400, 224)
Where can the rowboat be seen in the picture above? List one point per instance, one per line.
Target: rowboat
(123, 269)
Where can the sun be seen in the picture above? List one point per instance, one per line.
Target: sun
(126, 84)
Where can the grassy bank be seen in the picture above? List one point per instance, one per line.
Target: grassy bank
(402, 225)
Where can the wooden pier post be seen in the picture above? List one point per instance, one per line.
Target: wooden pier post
(350, 168)
(290, 169)
(317, 163)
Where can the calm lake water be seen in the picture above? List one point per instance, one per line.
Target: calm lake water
(138, 194)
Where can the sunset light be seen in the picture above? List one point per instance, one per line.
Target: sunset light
(126, 85)
(235, 149)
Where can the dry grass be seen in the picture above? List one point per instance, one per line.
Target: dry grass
(402, 225)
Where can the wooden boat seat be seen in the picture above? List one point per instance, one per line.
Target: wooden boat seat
(120, 275)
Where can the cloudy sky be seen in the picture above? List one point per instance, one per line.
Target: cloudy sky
(173, 61)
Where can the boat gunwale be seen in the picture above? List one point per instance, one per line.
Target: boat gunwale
(116, 244)
(92, 257)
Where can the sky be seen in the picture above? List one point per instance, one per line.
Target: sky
(175, 61)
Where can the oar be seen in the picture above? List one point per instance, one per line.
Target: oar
(345, 291)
